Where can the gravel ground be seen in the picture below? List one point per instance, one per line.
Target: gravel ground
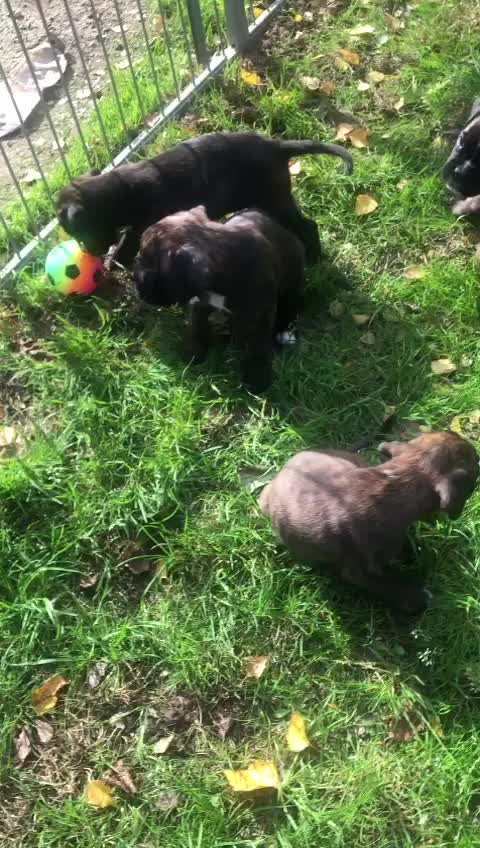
(30, 24)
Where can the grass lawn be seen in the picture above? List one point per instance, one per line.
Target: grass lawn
(131, 464)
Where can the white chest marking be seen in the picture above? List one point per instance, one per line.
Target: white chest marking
(217, 301)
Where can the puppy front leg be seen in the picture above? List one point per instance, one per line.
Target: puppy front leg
(467, 206)
(404, 594)
(256, 341)
(200, 331)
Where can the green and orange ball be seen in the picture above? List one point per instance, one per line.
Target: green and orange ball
(71, 270)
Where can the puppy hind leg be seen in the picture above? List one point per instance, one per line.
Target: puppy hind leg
(289, 307)
(256, 359)
(304, 228)
(401, 593)
(200, 331)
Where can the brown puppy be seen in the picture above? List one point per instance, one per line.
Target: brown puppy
(333, 507)
(223, 171)
(250, 267)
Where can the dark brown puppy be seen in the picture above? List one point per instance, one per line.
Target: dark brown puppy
(250, 266)
(462, 169)
(332, 507)
(223, 171)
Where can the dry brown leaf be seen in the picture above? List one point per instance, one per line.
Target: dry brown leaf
(223, 725)
(311, 83)
(365, 204)
(343, 131)
(363, 86)
(96, 674)
(44, 699)
(362, 29)
(404, 729)
(415, 272)
(23, 748)
(394, 24)
(297, 738)
(349, 56)
(162, 745)
(11, 442)
(255, 666)
(120, 777)
(89, 581)
(443, 367)
(360, 319)
(250, 77)
(341, 64)
(167, 801)
(368, 339)
(99, 794)
(44, 731)
(295, 167)
(359, 137)
(375, 77)
(336, 308)
(258, 775)
(328, 87)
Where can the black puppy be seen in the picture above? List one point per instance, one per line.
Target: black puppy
(251, 267)
(462, 169)
(223, 171)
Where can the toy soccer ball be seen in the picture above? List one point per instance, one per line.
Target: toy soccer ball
(71, 270)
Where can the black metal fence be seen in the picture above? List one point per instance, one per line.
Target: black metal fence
(87, 84)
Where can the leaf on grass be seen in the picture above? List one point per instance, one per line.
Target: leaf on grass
(44, 731)
(362, 29)
(436, 726)
(99, 794)
(162, 745)
(252, 477)
(96, 673)
(359, 138)
(44, 699)
(298, 19)
(349, 56)
(255, 666)
(368, 339)
(375, 77)
(139, 566)
(341, 64)
(394, 24)
(443, 367)
(297, 739)
(403, 184)
(328, 87)
(336, 308)
(399, 104)
(250, 77)
(343, 131)
(23, 748)
(365, 204)
(89, 581)
(260, 774)
(363, 86)
(223, 725)
(257, 12)
(11, 442)
(295, 167)
(311, 83)
(403, 729)
(167, 801)
(415, 272)
(120, 778)
(360, 319)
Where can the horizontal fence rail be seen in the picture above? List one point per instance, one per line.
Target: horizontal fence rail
(89, 86)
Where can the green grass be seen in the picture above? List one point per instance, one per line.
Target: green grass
(125, 443)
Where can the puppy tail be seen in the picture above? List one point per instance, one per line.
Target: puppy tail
(300, 148)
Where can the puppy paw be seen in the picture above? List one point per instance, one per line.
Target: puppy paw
(287, 338)
(468, 206)
(416, 601)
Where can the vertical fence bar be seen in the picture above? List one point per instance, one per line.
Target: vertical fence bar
(109, 68)
(8, 232)
(88, 79)
(237, 24)
(168, 44)
(149, 51)
(218, 21)
(198, 32)
(18, 188)
(67, 91)
(129, 60)
(186, 40)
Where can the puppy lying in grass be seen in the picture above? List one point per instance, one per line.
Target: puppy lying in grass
(331, 506)
(250, 267)
(461, 172)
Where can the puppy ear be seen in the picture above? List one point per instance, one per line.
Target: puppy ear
(188, 270)
(200, 212)
(75, 217)
(454, 490)
(392, 449)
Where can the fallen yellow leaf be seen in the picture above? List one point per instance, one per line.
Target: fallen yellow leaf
(399, 104)
(44, 699)
(257, 12)
(393, 23)
(255, 666)
(99, 794)
(295, 167)
(375, 76)
(310, 83)
(456, 425)
(360, 319)
(163, 744)
(363, 86)
(415, 272)
(403, 184)
(365, 204)
(298, 19)
(341, 64)
(297, 739)
(343, 131)
(258, 775)
(443, 367)
(250, 77)
(437, 728)
(328, 87)
(362, 29)
(359, 137)
(349, 56)
(11, 442)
